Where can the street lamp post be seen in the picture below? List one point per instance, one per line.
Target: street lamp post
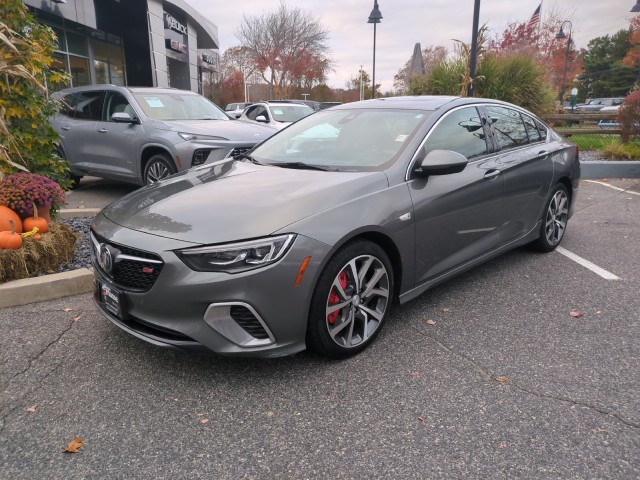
(474, 49)
(562, 35)
(374, 17)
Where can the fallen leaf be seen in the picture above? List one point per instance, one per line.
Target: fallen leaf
(598, 312)
(502, 379)
(415, 374)
(445, 310)
(576, 313)
(430, 322)
(74, 445)
(269, 414)
(32, 409)
(421, 419)
(204, 421)
(67, 309)
(76, 318)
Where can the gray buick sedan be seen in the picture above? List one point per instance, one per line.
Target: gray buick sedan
(308, 240)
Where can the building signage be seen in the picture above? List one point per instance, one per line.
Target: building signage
(175, 45)
(210, 59)
(171, 23)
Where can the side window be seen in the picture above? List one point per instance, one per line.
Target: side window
(87, 105)
(115, 102)
(532, 128)
(460, 131)
(66, 105)
(508, 127)
(542, 129)
(252, 113)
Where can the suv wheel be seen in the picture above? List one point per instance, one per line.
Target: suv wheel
(158, 167)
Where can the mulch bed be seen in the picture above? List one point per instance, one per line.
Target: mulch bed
(56, 247)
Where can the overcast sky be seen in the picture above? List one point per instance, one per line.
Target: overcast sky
(407, 22)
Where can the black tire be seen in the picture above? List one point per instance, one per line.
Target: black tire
(158, 167)
(336, 331)
(554, 220)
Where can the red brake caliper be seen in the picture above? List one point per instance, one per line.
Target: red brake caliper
(335, 298)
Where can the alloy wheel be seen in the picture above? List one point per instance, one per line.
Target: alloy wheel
(557, 216)
(358, 301)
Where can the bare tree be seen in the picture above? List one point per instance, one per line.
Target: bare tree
(288, 47)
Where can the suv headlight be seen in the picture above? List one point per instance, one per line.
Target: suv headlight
(237, 257)
(195, 136)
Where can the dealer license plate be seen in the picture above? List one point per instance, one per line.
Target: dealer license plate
(110, 298)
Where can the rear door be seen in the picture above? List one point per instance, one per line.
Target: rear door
(525, 161)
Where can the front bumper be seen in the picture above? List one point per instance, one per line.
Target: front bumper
(255, 313)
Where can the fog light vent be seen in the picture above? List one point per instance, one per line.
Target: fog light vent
(248, 321)
(199, 157)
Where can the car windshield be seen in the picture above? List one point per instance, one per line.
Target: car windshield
(343, 140)
(178, 106)
(290, 113)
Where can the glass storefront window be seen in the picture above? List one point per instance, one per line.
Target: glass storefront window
(77, 44)
(61, 43)
(100, 50)
(102, 71)
(79, 71)
(117, 74)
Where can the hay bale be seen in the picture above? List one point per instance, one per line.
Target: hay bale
(56, 247)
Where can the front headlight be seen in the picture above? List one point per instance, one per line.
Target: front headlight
(236, 257)
(195, 136)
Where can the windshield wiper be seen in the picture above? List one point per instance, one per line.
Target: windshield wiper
(300, 166)
(246, 156)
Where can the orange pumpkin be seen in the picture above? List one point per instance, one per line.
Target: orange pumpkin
(7, 214)
(35, 221)
(10, 240)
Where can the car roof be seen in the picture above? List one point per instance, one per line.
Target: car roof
(131, 89)
(424, 102)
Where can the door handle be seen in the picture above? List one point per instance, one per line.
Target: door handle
(542, 152)
(65, 128)
(103, 130)
(491, 174)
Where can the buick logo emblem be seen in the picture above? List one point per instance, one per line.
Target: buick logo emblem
(105, 258)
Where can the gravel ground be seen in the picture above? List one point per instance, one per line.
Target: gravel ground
(82, 256)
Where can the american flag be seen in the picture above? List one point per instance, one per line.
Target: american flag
(535, 18)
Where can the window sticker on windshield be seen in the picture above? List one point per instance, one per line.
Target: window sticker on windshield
(154, 102)
(277, 111)
(401, 137)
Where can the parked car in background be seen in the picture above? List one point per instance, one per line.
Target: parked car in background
(315, 106)
(234, 110)
(275, 114)
(313, 235)
(596, 104)
(143, 134)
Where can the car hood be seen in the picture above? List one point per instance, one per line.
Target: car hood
(236, 200)
(229, 129)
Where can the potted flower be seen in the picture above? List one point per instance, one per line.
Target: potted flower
(20, 191)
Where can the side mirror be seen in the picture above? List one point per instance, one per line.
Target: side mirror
(262, 118)
(123, 117)
(441, 162)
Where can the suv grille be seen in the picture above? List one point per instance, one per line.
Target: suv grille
(133, 269)
(239, 150)
(246, 319)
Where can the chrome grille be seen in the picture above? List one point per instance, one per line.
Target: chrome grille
(133, 269)
(238, 151)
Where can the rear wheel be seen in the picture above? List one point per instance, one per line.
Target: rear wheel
(554, 221)
(158, 168)
(351, 301)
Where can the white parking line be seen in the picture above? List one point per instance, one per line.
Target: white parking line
(587, 264)
(614, 187)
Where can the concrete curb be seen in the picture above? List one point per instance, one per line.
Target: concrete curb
(49, 287)
(595, 169)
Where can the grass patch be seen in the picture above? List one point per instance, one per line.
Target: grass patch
(609, 146)
(594, 142)
(618, 151)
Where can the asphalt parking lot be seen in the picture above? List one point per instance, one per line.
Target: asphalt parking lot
(526, 367)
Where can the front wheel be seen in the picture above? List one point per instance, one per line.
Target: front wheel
(351, 301)
(554, 221)
(158, 168)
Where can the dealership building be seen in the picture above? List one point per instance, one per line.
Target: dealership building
(160, 43)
